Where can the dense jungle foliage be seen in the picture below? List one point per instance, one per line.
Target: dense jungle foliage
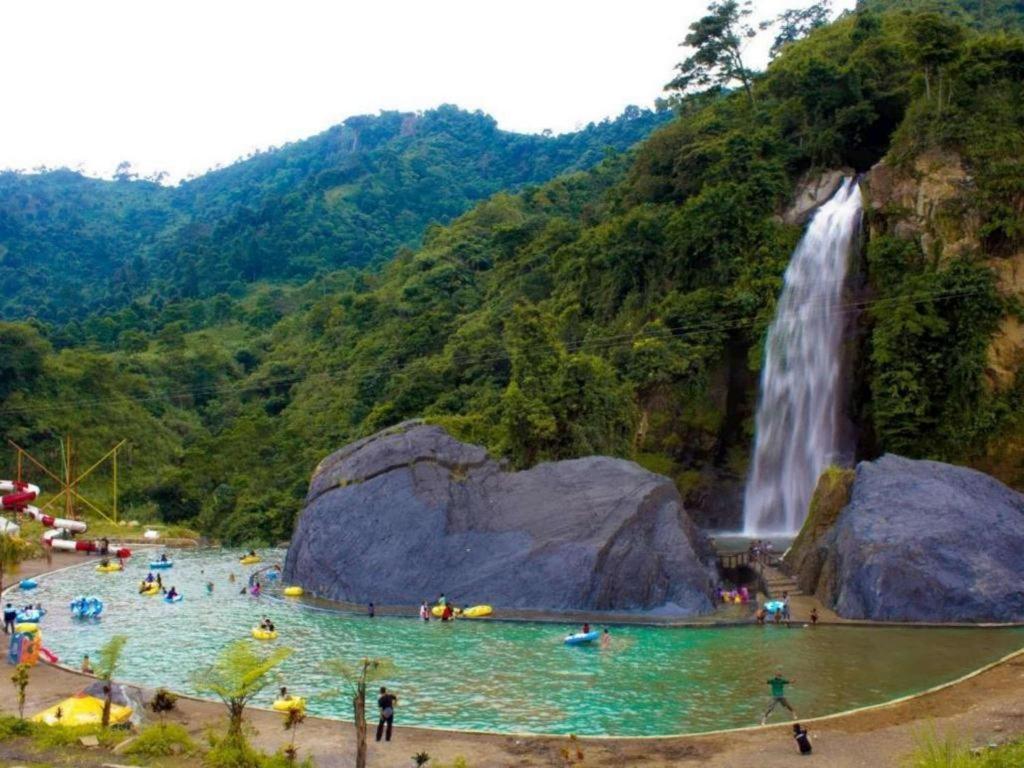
(617, 309)
(72, 246)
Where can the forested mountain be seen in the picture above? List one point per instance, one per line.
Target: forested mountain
(71, 245)
(618, 309)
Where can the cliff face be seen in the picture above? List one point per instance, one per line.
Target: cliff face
(929, 201)
(409, 513)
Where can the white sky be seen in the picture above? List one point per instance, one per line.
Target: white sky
(182, 86)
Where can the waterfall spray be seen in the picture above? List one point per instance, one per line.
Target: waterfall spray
(799, 411)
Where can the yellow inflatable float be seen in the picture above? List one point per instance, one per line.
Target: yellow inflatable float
(26, 627)
(263, 634)
(110, 568)
(296, 703)
(82, 710)
(250, 559)
(478, 612)
(149, 589)
(293, 591)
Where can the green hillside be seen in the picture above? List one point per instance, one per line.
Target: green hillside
(618, 309)
(71, 246)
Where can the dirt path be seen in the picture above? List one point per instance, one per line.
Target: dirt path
(986, 709)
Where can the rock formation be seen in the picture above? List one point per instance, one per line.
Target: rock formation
(410, 512)
(921, 541)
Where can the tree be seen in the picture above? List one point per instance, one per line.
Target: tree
(293, 718)
(22, 352)
(20, 679)
(236, 677)
(109, 657)
(356, 676)
(936, 42)
(717, 43)
(796, 23)
(13, 551)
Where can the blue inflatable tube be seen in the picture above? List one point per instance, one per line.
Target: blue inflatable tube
(582, 639)
(33, 616)
(86, 607)
(175, 599)
(774, 605)
(28, 584)
(162, 564)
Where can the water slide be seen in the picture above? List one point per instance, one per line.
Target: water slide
(17, 496)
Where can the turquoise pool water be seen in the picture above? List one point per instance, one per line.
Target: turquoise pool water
(509, 677)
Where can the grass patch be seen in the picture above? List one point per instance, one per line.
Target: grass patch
(162, 741)
(62, 737)
(949, 751)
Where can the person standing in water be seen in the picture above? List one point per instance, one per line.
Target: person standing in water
(370, 611)
(606, 640)
(424, 611)
(386, 704)
(778, 685)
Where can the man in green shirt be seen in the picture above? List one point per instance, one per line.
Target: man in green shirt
(778, 685)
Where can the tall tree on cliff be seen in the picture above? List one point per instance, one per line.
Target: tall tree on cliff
(717, 43)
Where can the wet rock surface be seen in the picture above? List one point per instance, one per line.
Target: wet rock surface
(410, 512)
(923, 541)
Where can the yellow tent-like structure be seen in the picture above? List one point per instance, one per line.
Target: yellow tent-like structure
(82, 709)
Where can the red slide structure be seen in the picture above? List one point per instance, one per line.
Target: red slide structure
(18, 495)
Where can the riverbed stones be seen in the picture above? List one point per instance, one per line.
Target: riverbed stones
(922, 541)
(410, 513)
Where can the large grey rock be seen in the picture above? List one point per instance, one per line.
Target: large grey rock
(813, 191)
(410, 512)
(925, 541)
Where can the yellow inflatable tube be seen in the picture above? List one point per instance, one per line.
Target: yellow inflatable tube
(82, 710)
(27, 627)
(149, 589)
(250, 559)
(110, 568)
(293, 591)
(478, 611)
(287, 705)
(262, 634)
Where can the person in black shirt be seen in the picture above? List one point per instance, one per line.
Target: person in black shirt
(370, 610)
(386, 703)
(800, 734)
(10, 615)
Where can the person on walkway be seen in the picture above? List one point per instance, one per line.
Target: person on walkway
(760, 615)
(386, 703)
(785, 607)
(802, 741)
(86, 667)
(424, 611)
(778, 685)
(10, 616)
(814, 616)
(370, 611)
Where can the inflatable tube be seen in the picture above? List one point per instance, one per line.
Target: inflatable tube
(250, 559)
(773, 605)
(33, 616)
(81, 709)
(271, 575)
(86, 607)
(157, 564)
(293, 591)
(582, 639)
(48, 656)
(26, 628)
(110, 568)
(28, 583)
(149, 588)
(296, 703)
(478, 612)
(262, 634)
(175, 599)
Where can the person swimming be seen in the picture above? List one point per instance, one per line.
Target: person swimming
(209, 587)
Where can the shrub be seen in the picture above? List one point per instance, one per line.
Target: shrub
(162, 740)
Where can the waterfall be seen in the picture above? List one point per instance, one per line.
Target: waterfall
(798, 412)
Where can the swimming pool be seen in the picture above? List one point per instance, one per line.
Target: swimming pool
(508, 677)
